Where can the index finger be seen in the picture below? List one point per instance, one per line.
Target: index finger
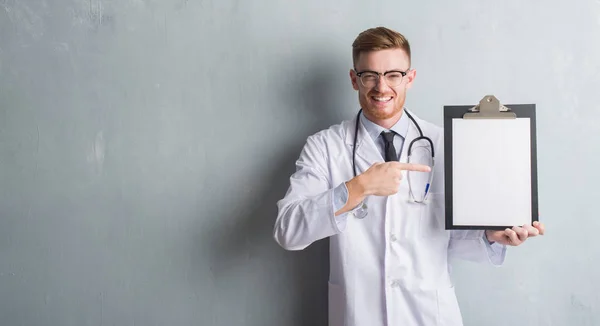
(414, 167)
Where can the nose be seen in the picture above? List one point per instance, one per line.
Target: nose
(381, 85)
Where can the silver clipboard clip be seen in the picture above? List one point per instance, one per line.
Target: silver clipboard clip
(489, 108)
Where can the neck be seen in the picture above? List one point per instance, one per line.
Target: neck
(385, 123)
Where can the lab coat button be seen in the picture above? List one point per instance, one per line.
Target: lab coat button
(393, 238)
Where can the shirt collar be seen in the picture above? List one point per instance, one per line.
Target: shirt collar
(374, 130)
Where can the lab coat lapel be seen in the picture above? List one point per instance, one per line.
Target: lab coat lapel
(366, 150)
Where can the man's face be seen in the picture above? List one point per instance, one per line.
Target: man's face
(382, 103)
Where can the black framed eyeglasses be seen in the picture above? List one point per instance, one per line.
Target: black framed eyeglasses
(370, 78)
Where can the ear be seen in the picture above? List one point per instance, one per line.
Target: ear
(354, 79)
(410, 76)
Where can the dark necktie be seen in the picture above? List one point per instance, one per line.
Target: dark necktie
(390, 150)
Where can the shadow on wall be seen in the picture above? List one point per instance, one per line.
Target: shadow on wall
(298, 280)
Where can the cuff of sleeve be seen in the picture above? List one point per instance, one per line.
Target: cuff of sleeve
(340, 198)
(496, 252)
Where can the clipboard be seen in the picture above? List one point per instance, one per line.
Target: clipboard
(490, 169)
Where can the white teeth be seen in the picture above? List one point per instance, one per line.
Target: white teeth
(382, 99)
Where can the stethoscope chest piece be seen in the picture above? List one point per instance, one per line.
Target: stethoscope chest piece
(362, 211)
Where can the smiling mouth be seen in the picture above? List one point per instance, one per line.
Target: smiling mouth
(381, 99)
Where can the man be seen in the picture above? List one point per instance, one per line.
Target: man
(389, 251)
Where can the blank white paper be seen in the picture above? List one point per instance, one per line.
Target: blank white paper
(491, 162)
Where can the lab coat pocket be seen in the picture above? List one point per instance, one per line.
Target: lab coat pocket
(337, 311)
(449, 310)
(432, 221)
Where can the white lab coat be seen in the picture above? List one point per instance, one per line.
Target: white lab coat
(391, 267)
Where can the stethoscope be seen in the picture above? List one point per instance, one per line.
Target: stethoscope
(421, 137)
